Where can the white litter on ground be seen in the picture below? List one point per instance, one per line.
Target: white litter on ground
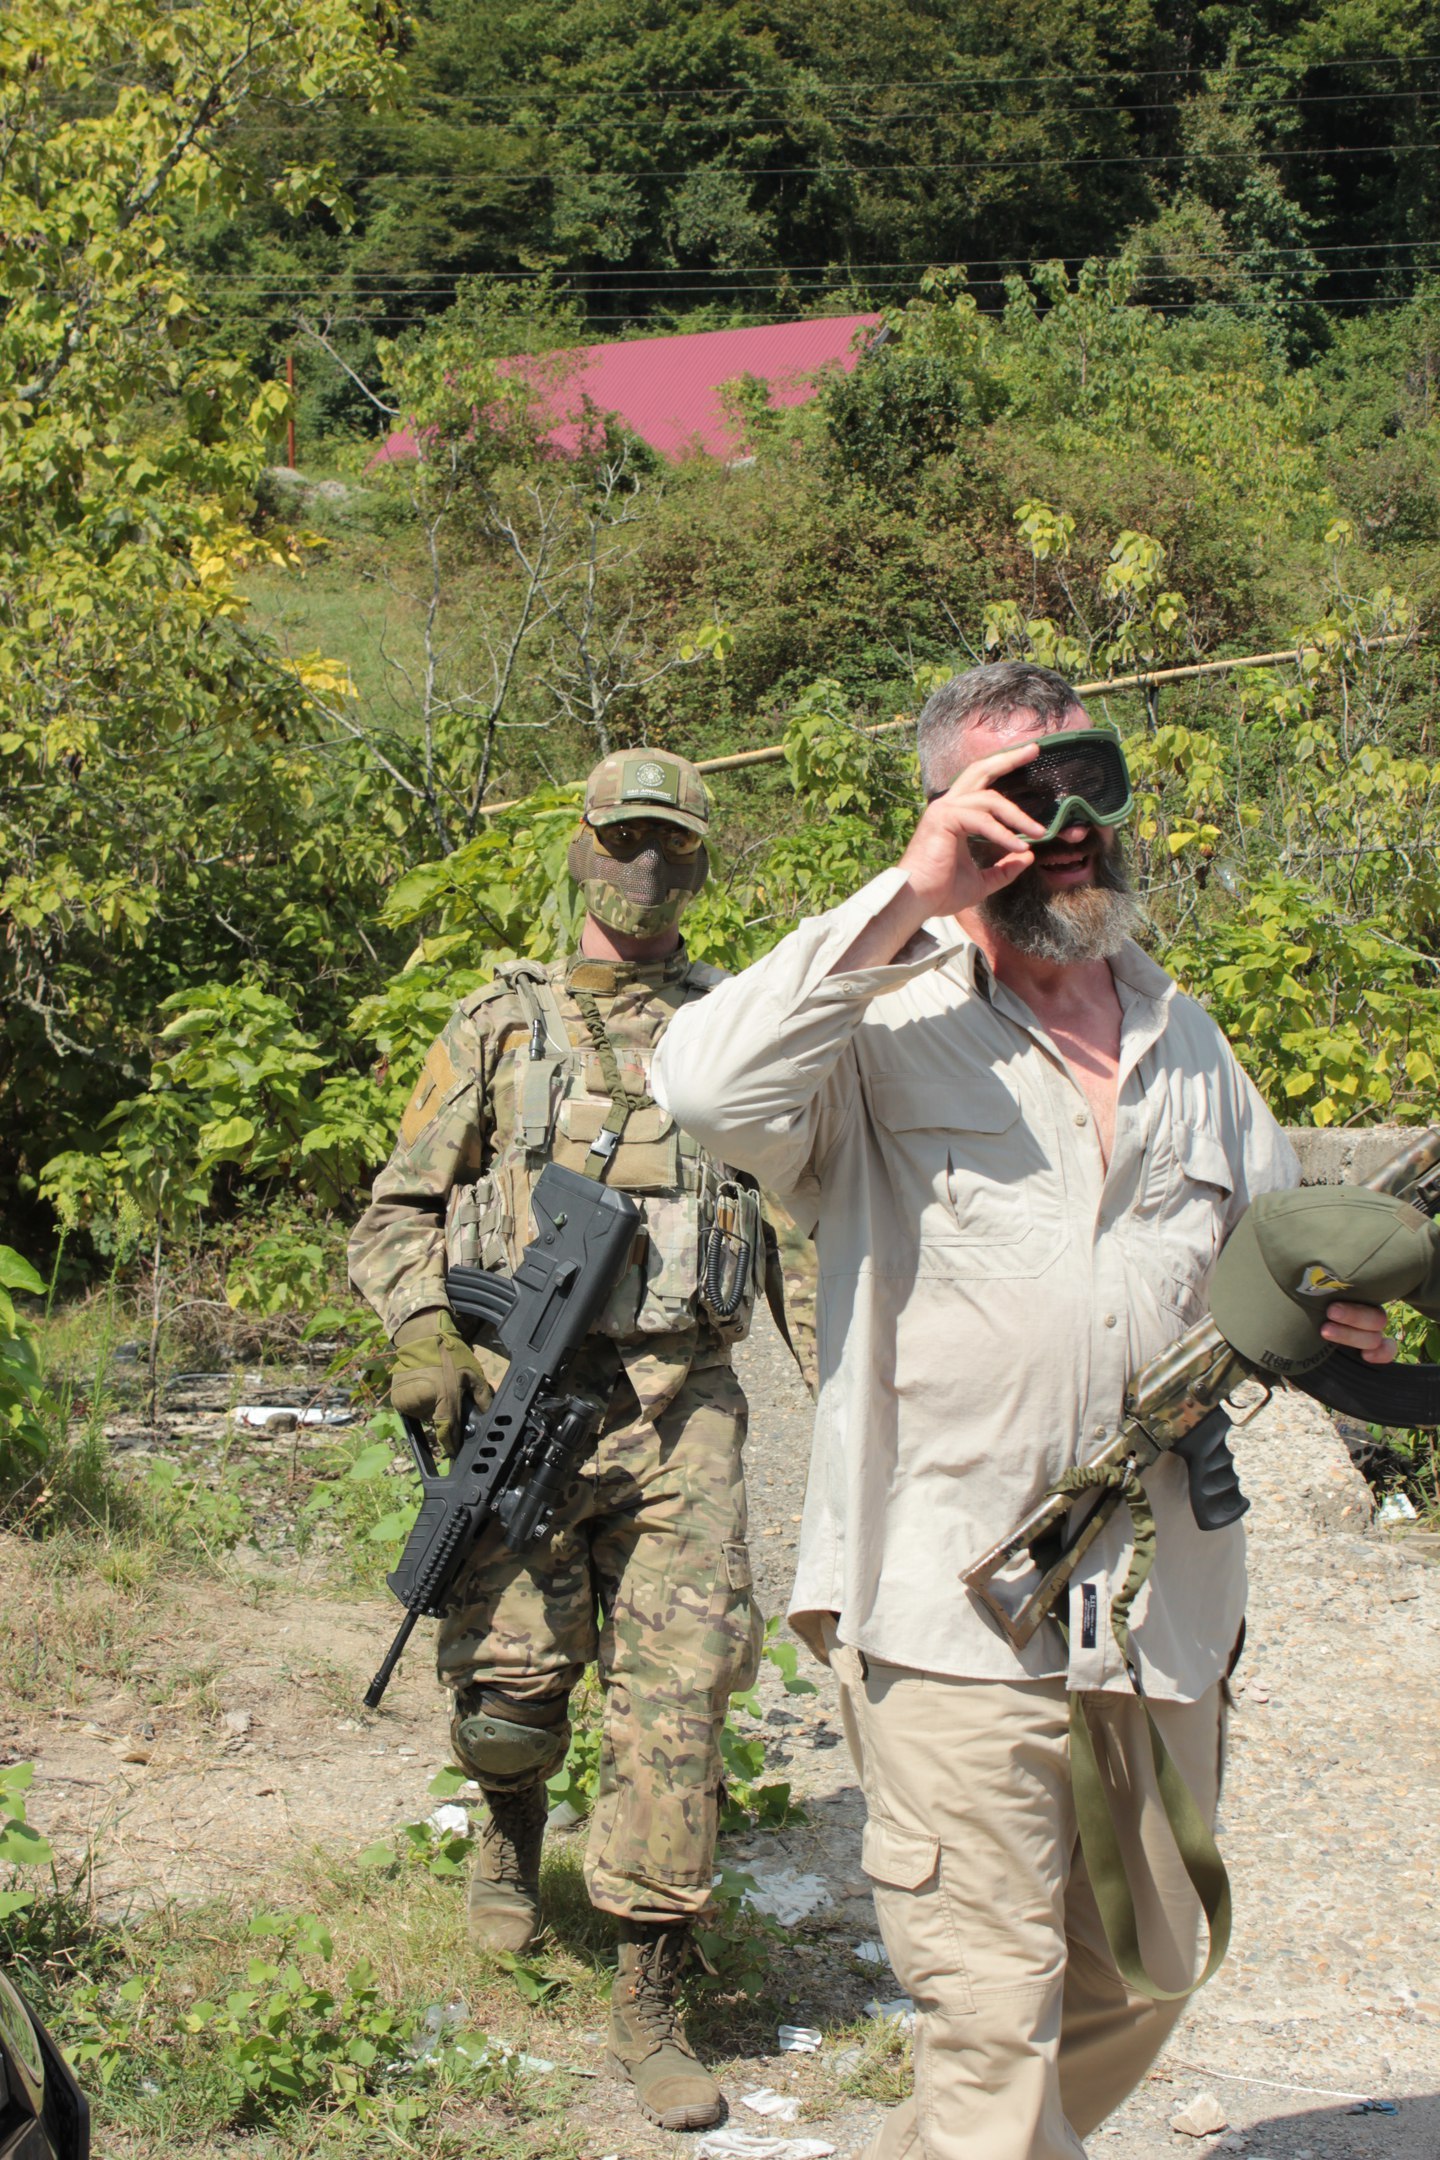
(784, 1894)
(730, 2144)
(563, 1816)
(780, 2107)
(439, 2020)
(259, 1415)
(898, 2006)
(799, 2040)
(872, 1953)
(449, 1820)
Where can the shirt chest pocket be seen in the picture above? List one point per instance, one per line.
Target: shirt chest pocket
(1198, 1195)
(983, 1184)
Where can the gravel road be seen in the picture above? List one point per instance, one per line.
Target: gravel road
(1331, 1994)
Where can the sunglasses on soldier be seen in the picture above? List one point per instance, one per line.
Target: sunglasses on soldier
(1077, 777)
(629, 837)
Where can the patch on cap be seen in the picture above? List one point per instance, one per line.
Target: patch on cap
(651, 781)
(647, 783)
(1318, 1281)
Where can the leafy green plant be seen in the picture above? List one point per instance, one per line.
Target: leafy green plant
(21, 1845)
(280, 2042)
(25, 1432)
(1411, 1455)
(371, 1505)
(440, 1850)
(203, 1512)
(739, 1945)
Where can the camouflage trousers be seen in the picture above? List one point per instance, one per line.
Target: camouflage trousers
(646, 1574)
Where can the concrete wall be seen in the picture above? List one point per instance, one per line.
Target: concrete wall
(1348, 1155)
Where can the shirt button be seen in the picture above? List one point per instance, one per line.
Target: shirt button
(1082, 1117)
(1109, 1319)
(1099, 1432)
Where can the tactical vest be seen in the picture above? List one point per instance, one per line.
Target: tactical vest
(588, 1106)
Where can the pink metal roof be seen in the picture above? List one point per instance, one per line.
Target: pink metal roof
(667, 390)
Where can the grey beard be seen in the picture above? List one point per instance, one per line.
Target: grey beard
(1064, 928)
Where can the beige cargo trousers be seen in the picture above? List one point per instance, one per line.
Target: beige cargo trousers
(1026, 2037)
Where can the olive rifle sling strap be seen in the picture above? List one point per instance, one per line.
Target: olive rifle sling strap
(1099, 1839)
(622, 1102)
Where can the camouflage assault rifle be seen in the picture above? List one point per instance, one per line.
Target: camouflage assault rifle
(516, 1459)
(1179, 1404)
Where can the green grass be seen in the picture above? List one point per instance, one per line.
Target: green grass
(170, 2016)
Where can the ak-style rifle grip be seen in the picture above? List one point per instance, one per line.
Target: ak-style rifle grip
(1215, 1495)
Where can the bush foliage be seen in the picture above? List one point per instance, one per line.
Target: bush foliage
(254, 736)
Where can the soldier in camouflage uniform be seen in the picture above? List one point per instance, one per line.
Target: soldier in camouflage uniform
(646, 1571)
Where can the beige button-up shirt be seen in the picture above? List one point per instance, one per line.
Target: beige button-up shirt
(987, 1285)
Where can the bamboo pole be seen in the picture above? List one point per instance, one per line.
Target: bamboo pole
(773, 751)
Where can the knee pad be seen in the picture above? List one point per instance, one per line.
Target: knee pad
(508, 1745)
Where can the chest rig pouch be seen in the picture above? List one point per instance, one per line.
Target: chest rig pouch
(589, 1108)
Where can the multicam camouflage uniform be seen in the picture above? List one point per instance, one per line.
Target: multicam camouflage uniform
(647, 1570)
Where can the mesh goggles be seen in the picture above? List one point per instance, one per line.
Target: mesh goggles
(625, 838)
(1077, 777)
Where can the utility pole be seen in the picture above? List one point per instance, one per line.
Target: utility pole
(290, 420)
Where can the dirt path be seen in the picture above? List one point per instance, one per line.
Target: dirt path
(224, 1729)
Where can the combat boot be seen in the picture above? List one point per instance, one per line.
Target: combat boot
(646, 2040)
(505, 1883)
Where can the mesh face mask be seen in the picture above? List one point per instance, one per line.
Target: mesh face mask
(641, 892)
(1078, 777)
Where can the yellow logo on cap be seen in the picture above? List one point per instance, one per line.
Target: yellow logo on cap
(1317, 1281)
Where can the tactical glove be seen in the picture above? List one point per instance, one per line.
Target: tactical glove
(434, 1373)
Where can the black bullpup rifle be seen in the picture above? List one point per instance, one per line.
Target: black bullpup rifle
(515, 1460)
(1181, 1403)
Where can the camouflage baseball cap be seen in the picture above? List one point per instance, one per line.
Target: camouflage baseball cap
(1292, 1253)
(647, 783)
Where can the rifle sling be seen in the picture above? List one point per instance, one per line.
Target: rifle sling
(622, 1102)
(1099, 1839)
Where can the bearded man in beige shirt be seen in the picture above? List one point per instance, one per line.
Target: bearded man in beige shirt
(1020, 1148)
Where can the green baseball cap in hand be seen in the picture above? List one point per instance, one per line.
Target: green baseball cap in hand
(1293, 1254)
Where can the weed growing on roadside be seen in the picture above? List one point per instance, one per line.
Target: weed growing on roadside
(291, 2038)
(441, 1844)
(881, 2068)
(21, 1845)
(369, 1505)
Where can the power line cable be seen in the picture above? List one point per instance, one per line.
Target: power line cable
(1154, 307)
(794, 114)
(827, 279)
(841, 170)
(824, 274)
(1179, 72)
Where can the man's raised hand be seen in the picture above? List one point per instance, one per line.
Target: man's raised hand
(945, 875)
